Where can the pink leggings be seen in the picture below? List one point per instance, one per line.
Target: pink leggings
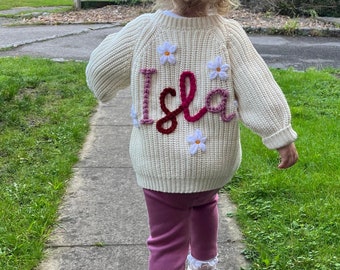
(178, 221)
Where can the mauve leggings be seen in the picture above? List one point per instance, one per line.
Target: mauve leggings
(178, 221)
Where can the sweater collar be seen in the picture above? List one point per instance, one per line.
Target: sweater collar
(194, 22)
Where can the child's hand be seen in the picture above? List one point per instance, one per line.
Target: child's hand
(288, 156)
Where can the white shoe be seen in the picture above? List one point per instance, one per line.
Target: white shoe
(202, 267)
(194, 264)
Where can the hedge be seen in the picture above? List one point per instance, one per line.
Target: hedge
(296, 7)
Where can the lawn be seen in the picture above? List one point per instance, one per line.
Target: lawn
(5, 4)
(46, 3)
(290, 218)
(44, 112)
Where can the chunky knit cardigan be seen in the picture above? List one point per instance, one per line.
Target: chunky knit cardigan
(191, 80)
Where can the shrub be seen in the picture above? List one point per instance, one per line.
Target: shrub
(296, 7)
(97, 4)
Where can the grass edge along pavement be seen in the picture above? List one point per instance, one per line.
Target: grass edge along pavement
(289, 218)
(45, 110)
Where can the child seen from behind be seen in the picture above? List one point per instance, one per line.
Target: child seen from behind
(193, 75)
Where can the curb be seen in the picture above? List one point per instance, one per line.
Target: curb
(18, 44)
(311, 32)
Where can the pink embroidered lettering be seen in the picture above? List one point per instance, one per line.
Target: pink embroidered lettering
(169, 116)
(186, 100)
(221, 108)
(147, 87)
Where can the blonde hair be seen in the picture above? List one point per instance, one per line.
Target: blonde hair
(221, 7)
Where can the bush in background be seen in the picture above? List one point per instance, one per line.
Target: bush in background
(295, 8)
(97, 4)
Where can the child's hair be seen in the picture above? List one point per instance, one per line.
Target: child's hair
(222, 7)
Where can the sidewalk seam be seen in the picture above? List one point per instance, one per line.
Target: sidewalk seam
(19, 44)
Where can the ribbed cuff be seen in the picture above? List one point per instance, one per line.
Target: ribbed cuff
(281, 138)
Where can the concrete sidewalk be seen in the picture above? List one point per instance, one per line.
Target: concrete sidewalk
(103, 220)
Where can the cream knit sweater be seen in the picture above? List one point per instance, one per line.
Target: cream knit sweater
(191, 80)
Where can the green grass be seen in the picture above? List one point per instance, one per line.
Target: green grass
(291, 218)
(5, 4)
(44, 112)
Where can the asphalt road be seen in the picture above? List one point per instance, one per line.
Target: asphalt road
(65, 42)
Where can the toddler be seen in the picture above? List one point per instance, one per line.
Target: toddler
(193, 75)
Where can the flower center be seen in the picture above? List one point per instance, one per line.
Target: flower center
(167, 53)
(218, 69)
(197, 141)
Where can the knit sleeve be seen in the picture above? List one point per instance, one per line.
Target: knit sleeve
(109, 67)
(262, 105)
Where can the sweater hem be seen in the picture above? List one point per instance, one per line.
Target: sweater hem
(162, 185)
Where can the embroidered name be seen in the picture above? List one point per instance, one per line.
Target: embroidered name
(186, 99)
(147, 87)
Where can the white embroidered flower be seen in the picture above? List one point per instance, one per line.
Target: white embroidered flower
(134, 117)
(166, 51)
(196, 141)
(236, 104)
(218, 69)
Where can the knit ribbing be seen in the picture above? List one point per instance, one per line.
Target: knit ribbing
(263, 107)
(109, 68)
(191, 80)
(199, 23)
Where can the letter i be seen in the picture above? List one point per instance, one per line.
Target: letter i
(147, 87)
